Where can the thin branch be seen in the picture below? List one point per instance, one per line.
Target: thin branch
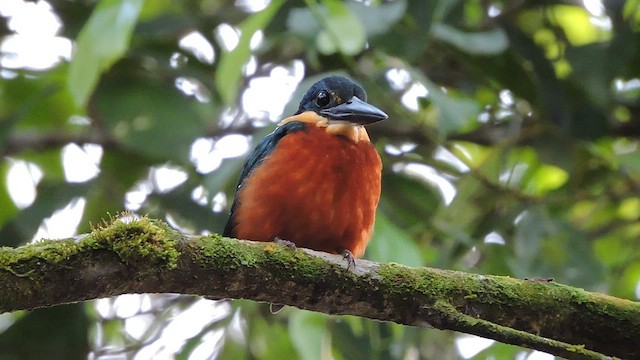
(146, 256)
(36, 141)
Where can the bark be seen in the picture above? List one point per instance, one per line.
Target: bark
(146, 256)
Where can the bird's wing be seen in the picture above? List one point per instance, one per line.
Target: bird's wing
(255, 158)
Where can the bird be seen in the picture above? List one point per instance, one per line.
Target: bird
(315, 181)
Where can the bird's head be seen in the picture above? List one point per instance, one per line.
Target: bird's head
(340, 99)
(340, 105)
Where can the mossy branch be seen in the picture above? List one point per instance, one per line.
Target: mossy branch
(146, 256)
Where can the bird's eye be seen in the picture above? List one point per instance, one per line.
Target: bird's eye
(322, 99)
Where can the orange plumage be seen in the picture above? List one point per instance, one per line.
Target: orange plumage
(318, 190)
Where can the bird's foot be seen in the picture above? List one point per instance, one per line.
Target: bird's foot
(290, 244)
(348, 256)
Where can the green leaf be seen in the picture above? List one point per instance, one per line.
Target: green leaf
(578, 25)
(375, 19)
(308, 331)
(270, 340)
(629, 279)
(39, 103)
(408, 202)
(233, 350)
(51, 197)
(546, 178)
(499, 351)
(378, 19)
(391, 244)
(7, 208)
(104, 39)
(547, 246)
(341, 31)
(55, 340)
(490, 42)
(229, 72)
(630, 161)
(151, 118)
(184, 210)
(456, 112)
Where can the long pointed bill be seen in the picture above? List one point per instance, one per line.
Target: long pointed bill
(356, 112)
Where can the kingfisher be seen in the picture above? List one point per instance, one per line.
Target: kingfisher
(314, 182)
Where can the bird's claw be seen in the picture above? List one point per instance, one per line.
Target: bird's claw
(348, 256)
(290, 244)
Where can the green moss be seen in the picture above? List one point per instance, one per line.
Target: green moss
(51, 251)
(576, 348)
(138, 241)
(228, 254)
(221, 252)
(401, 279)
(24, 261)
(225, 252)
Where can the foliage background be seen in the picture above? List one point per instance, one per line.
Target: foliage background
(511, 149)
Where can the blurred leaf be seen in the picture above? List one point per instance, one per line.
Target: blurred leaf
(471, 154)
(233, 350)
(308, 332)
(51, 197)
(578, 25)
(499, 351)
(391, 244)
(457, 219)
(270, 340)
(630, 161)
(547, 247)
(611, 250)
(549, 96)
(478, 43)
(546, 178)
(408, 203)
(7, 207)
(229, 72)
(630, 280)
(629, 209)
(415, 24)
(60, 333)
(445, 8)
(96, 49)
(495, 259)
(349, 338)
(151, 118)
(596, 84)
(376, 19)
(455, 113)
(50, 162)
(179, 204)
(119, 172)
(341, 30)
(157, 8)
(225, 177)
(40, 103)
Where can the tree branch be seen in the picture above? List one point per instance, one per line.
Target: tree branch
(146, 256)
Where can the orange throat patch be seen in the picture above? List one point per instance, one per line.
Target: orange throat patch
(355, 133)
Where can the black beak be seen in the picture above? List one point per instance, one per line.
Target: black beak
(355, 111)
